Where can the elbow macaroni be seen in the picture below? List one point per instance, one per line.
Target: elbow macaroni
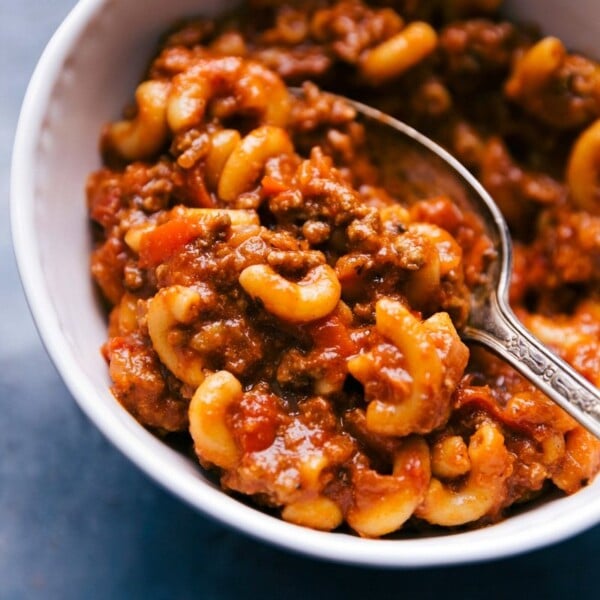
(583, 170)
(295, 301)
(145, 134)
(254, 90)
(423, 403)
(484, 489)
(248, 158)
(209, 407)
(535, 67)
(313, 297)
(170, 308)
(398, 54)
(383, 503)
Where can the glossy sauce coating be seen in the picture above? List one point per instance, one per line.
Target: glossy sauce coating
(277, 298)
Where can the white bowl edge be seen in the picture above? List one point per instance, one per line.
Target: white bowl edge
(518, 534)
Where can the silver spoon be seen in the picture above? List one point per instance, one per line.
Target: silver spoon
(492, 322)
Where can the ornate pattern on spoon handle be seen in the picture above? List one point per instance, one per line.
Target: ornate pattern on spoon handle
(548, 371)
(494, 325)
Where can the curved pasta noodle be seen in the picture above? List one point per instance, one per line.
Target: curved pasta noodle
(311, 298)
(425, 405)
(319, 513)
(123, 317)
(579, 462)
(399, 53)
(255, 90)
(247, 160)
(395, 322)
(145, 134)
(168, 309)
(222, 144)
(441, 256)
(449, 253)
(134, 237)
(239, 217)
(450, 457)
(535, 67)
(425, 281)
(382, 503)
(213, 441)
(259, 336)
(583, 169)
(484, 489)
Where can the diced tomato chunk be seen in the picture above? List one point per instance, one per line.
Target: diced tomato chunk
(158, 245)
(272, 186)
(332, 333)
(256, 423)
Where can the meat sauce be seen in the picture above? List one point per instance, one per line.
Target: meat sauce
(292, 312)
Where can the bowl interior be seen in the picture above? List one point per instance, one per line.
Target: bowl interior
(576, 23)
(86, 75)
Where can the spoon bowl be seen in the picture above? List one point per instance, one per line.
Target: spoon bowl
(427, 169)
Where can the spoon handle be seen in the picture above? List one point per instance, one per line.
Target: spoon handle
(497, 328)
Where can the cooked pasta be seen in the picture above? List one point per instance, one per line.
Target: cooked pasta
(291, 307)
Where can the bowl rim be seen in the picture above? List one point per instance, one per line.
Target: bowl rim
(569, 516)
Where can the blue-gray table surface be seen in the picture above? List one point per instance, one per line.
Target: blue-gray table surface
(78, 520)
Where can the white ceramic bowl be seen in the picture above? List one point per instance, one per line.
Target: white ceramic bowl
(84, 77)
